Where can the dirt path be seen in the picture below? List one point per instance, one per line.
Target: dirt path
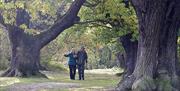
(41, 86)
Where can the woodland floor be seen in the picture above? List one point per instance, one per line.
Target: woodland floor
(95, 80)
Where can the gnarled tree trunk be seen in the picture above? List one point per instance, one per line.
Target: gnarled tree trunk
(168, 62)
(130, 48)
(25, 54)
(25, 60)
(157, 47)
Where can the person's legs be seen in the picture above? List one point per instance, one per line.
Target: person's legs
(79, 71)
(70, 72)
(74, 71)
(82, 72)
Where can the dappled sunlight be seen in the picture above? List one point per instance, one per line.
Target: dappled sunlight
(50, 77)
(59, 81)
(112, 71)
(5, 81)
(56, 75)
(94, 88)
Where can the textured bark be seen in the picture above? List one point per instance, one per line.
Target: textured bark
(157, 47)
(151, 18)
(120, 59)
(130, 48)
(25, 54)
(168, 62)
(25, 59)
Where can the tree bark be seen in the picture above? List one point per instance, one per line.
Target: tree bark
(157, 47)
(130, 48)
(168, 62)
(121, 59)
(25, 59)
(25, 54)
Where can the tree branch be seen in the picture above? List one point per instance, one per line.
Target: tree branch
(89, 4)
(100, 22)
(104, 21)
(65, 22)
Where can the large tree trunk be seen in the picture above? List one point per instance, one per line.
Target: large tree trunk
(130, 48)
(25, 54)
(168, 62)
(25, 60)
(156, 59)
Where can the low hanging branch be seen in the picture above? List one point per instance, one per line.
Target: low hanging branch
(25, 58)
(65, 22)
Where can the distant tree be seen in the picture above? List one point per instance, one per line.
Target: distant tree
(26, 47)
(114, 23)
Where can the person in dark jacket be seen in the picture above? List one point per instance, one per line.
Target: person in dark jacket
(72, 63)
(81, 61)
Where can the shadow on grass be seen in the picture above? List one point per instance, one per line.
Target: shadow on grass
(92, 82)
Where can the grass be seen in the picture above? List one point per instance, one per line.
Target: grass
(92, 82)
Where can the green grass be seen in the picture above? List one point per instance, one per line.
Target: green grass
(55, 66)
(91, 82)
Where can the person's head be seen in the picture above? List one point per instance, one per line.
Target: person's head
(82, 48)
(73, 50)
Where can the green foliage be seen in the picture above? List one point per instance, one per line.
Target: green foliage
(105, 55)
(105, 15)
(55, 66)
(97, 35)
(41, 12)
(4, 50)
(94, 36)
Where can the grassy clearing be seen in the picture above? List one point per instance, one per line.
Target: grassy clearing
(92, 82)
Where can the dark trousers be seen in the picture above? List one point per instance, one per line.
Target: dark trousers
(81, 72)
(72, 71)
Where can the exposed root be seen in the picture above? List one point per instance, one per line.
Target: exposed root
(126, 84)
(145, 83)
(8, 73)
(43, 68)
(16, 73)
(163, 82)
(39, 74)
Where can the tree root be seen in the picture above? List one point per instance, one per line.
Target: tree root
(39, 74)
(8, 73)
(16, 73)
(145, 83)
(126, 84)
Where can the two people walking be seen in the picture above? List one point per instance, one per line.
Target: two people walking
(77, 59)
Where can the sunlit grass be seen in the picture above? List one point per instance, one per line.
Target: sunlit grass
(112, 71)
(93, 81)
(5, 81)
